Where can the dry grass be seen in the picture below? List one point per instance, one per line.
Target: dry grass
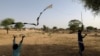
(38, 44)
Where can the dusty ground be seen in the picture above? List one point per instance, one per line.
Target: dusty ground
(38, 44)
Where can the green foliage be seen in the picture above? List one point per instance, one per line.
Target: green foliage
(6, 23)
(74, 25)
(19, 25)
(95, 29)
(89, 28)
(54, 28)
(94, 5)
(45, 28)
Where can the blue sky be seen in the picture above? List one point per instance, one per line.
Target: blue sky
(62, 12)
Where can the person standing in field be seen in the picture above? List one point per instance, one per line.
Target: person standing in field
(80, 40)
(17, 47)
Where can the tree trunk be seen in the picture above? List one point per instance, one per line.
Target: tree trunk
(7, 31)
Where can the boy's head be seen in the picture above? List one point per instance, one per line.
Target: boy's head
(15, 46)
(79, 31)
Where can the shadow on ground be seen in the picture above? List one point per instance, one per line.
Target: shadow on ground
(48, 50)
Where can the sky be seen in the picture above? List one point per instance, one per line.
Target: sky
(59, 15)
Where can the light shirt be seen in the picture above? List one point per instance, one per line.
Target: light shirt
(17, 51)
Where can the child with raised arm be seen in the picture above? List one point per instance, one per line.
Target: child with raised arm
(80, 40)
(17, 47)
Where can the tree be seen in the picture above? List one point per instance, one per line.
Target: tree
(19, 25)
(94, 5)
(45, 28)
(54, 29)
(6, 23)
(74, 25)
(89, 28)
(95, 29)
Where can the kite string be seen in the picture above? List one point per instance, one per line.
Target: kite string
(81, 18)
(82, 27)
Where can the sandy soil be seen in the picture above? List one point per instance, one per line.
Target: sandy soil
(57, 44)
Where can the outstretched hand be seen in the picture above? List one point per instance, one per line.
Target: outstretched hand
(23, 36)
(85, 34)
(14, 36)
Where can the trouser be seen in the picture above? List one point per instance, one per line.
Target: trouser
(81, 48)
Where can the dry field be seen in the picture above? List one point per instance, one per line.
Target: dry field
(38, 44)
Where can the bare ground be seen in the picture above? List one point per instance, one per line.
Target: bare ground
(38, 44)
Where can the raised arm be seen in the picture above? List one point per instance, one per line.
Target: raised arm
(22, 39)
(84, 35)
(14, 39)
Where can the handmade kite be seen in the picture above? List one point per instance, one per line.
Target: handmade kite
(50, 6)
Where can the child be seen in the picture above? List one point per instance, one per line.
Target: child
(80, 41)
(17, 47)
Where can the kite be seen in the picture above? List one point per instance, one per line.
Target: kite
(50, 6)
